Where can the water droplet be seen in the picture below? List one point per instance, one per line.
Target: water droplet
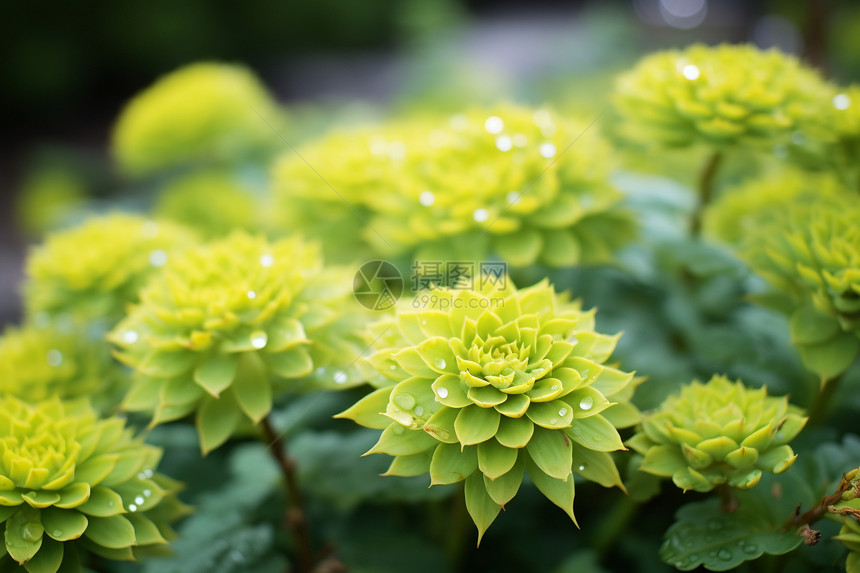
(110, 504)
(693, 557)
(586, 403)
(139, 500)
(132, 507)
(439, 363)
(582, 467)
(442, 392)
(419, 411)
(520, 140)
(554, 387)
(494, 124)
(405, 401)
(584, 374)
(715, 524)
(750, 549)
(536, 370)
(480, 215)
(147, 493)
(426, 198)
(553, 420)
(798, 138)
(504, 143)
(267, 260)
(147, 473)
(572, 339)
(340, 377)
(741, 543)
(841, 101)
(547, 150)
(398, 429)
(690, 72)
(130, 336)
(54, 357)
(57, 532)
(562, 412)
(252, 295)
(237, 556)
(158, 258)
(33, 531)
(724, 554)
(259, 339)
(393, 367)
(513, 197)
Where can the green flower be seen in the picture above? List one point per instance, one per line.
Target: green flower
(485, 385)
(508, 182)
(203, 112)
(229, 324)
(722, 96)
(39, 363)
(718, 433)
(848, 510)
(213, 203)
(71, 484)
(811, 258)
(91, 272)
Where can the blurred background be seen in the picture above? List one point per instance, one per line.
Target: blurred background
(66, 69)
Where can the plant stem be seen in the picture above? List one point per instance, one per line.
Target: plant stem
(706, 191)
(295, 519)
(728, 503)
(820, 509)
(822, 400)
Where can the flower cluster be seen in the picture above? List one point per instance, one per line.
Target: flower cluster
(721, 96)
(91, 272)
(505, 381)
(849, 510)
(203, 112)
(71, 484)
(39, 363)
(511, 181)
(718, 433)
(217, 329)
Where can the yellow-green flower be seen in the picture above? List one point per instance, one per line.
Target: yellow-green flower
(521, 184)
(483, 385)
(231, 323)
(213, 203)
(847, 511)
(91, 272)
(201, 113)
(39, 363)
(72, 484)
(722, 96)
(718, 433)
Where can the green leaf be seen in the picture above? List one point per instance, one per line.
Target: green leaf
(216, 420)
(399, 441)
(559, 491)
(73, 495)
(449, 391)
(62, 524)
(115, 532)
(166, 364)
(293, 363)
(368, 411)
(410, 360)
(504, 488)
(475, 424)
(216, 372)
(597, 467)
(252, 388)
(520, 248)
(479, 504)
(809, 325)
(494, 459)
(552, 452)
(441, 425)
(24, 534)
(145, 531)
(515, 432)
(705, 535)
(595, 433)
(41, 499)
(48, 559)
(94, 470)
(551, 415)
(831, 358)
(451, 465)
(515, 406)
(412, 465)
(561, 249)
(103, 502)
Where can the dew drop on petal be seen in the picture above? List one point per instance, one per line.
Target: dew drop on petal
(690, 72)
(237, 556)
(841, 101)
(480, 215)
(252, 295)
(259, 339)
(147, 473)
(553, 420)
(494, 124)
(340, 377)
(267, 260)
(426, 198)
(158, 258)
(419, 411)
(439, 363)
(442, 392)
(32, 531)
(547, 150)
(513, 197)
(58, 532)
(504, 143)
(147, 493)
(405, 401)
(724, 554)
(750, 549)
(132, 507)
(130, 336)
(582, 467)
(54, 357)
(586, 403)
(139, 500)
(562, 411)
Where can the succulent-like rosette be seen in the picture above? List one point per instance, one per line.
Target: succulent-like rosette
(91, 272)
(718, 433)
(510, 181)
(848, 511)
(811, 258)
(203, 112)
(71, 484)
(488, 384)
(725, 95)
(39, 363)
(231, 323)
(213, 203)
(743, 212)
